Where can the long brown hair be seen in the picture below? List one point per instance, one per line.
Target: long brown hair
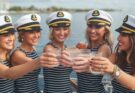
(123, 57)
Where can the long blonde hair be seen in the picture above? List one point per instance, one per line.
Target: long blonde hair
(107, 37)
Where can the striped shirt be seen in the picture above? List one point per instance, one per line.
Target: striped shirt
(57, 79)
(6, 85)
(90, 83)
(29, 82)
(117, 87)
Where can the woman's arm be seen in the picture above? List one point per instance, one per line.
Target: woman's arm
(107, 66)
(126, 80)
(20, 70)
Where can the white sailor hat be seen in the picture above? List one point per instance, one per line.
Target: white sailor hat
(128, 25)
(29, 22)
(98, 16)
(6, 24)
(59, 19)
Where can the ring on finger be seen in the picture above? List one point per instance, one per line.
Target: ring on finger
(101, 66)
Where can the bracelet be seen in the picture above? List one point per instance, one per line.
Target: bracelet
(116, 72)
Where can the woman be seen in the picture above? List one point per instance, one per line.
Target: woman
(98, 35)
(28, 27)
(123, 66)
(57, 77)
(7, 38)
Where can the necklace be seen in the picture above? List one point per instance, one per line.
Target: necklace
(1, 60)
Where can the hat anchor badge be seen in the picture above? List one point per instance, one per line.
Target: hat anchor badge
(125, 19)
(60, 14)
(95, 13)
(34, 17)
(7, 19)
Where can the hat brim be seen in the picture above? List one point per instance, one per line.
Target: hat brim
(99, 21)
(11, 30)
(122, 30)
(61, 25)
(119, 29)
(31, 29)
(95, 22)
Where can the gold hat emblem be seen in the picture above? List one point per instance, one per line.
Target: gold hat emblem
(7, 19)
(60, 14)
(34, 17)
(95, 13)
(125, 19)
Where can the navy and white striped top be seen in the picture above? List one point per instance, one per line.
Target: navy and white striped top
(29, 82)
(117, 87)
(6, 85)
(57, 79)
(90, 83)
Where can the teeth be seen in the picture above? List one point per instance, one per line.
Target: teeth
(120, 43)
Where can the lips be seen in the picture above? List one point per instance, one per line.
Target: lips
(61, 37)
(10, 43)
(120, 43)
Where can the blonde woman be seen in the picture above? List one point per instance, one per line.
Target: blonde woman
(28, 27)
(57, 77)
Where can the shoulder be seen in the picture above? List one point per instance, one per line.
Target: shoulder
(105, 49)
(18, 57)
(18, 53)
(48, 47)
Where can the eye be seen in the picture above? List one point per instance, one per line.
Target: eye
(31, 31)
(96, 26)
(123, 34)
(57, 29)
(66, 28)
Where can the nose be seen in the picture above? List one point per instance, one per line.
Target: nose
(62, 31)
(119, 36)
(92, 30)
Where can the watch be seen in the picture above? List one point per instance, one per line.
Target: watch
(116, 72)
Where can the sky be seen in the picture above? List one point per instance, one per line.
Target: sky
(114, 4)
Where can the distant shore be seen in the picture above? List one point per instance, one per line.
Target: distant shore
(32, 9)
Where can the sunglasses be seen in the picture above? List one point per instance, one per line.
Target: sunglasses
(97, 26)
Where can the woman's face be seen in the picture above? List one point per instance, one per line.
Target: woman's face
(31, 37)
(60, 33)
(7, 41)
(124, 43)
(96, 32)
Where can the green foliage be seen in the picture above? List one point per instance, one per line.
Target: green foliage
(15, 8)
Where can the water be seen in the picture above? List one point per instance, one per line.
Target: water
(77, 30)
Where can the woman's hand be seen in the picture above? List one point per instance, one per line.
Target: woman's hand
(49, 60)
(81, 64)
(101, 64)
(81, 45)
(65, 60)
